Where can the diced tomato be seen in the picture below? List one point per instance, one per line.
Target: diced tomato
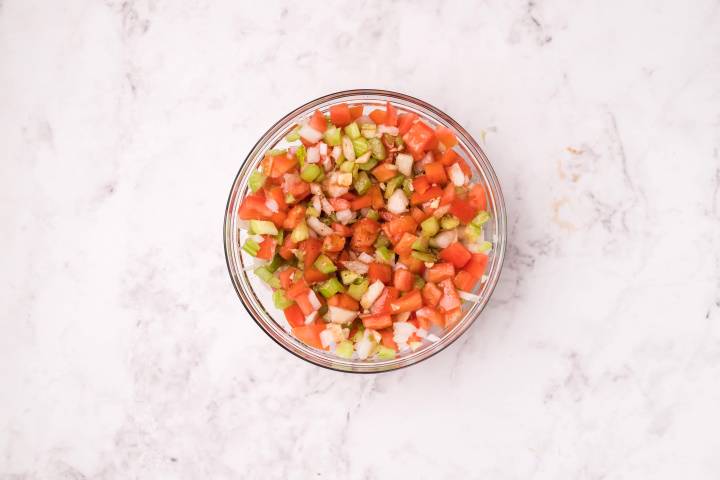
(267, 248)
(464, 281)
(294, 315)
(342, 230)
(404, 246)
(477, 265)
(477, 197)
(364, 201)
(286, 250)
(387, 338)
(294, 216)
(409, 302)
(356, 111)
(318, 121)
(287, 277)
(282, 164)
(419, 215)
(464, 167)
(333, 243)
(448, 194)
(377, 116)
(377, 322)
(449, 157)
(340, 115)
(431, 294)
(456, 253)
(388, 216)
(391, 116)
(463, 210)
(429, 314)
(439, 272)
(384, 172)
(421, 184)
(345, 301)
(378, 201)
(435, 173)
(405, 121)
(253, 207)
(403, 280)
(418, 138)
(339, 203)
(453, 316)
(395, 228)
(446, 136)
(412, 264)
(277, 194)
(380, 271)
(303, 301)
(450, 299)
(311, 248)
(297, 289)
(431, 193)
(309, 334)
(296, 187)
(313, 275)
(382, 304)
(365, 231)
(278, 218)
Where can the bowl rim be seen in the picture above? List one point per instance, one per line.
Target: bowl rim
(499, 246)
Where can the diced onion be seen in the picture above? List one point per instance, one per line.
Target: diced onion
(444, 239)
(312, 298)
(364, 157)
(364, 347)
(340, 315)
(373, 293)
(456, 175)
(366, 258)
(313, 155)
(319, 227)
(363, 120)
(388, 129)
(402, 331)
(311, 318)
(323, 148)
(355, 266)
(398, 202)
(336, 151)
(441, 210)
(344, 216)
(404, 163)
(315, 189)
(432, 337)
(272, 205)
(310, 134)
(402, 317)
(348, 149)
(467, 296)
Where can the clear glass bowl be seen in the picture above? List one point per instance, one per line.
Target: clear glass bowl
(257, 297)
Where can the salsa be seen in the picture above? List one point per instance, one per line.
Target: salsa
(368, 229)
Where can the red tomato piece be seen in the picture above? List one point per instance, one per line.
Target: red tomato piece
(365, 231)
(267, 248)
(456, 253)
(364, 201)
(448, 194)
(477, 197)
(253, 207)
(313, 275)
(452, 317)
(439, 272)
(421, 184)
(403, 280)
(384, 172)
(405, 121)
(286, 250)
(378, 202)
(477, 265)
(464, 281)
(294, 216)
(412, 264)
(342, 230)
(418, 138)
(282, 164)
(382, 304)
(435, 173)
(309, 334)
(450, 299)
(340, 114)
(380, 271)
(395, 228)
(356, 111)
(431, 193)
(294, 315)
(431, 294)
(409, 302)
(429, 314)
(318, 121)
(404, 246)
(297, 289)
(419, 215)
(463, 210)
(287, 277)
(303, 301)
(391, 116)
(387, 338)
(446, 136)
(311, 247)
(333, 243)
(377, 322)
(449, 157)
(339, 203)
(377, 116)
(345, 301)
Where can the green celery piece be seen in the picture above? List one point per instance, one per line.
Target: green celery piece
(353, 131)
(377, 148)
(266, 276)
(421, 244)
(369, 165)
(385, 353)
(300, 232)
(481, 218)
(372, 214)
(485, 247)
(280, 236)
(344, 349)
(332, 136)
(276, 263)
(348, 277)
(393, 184)
(419, 282)
(385, 254)
(472, 232)
(310, 172)
(359, 334)
(294, 135)
(281, 300)
(311, 212)
(330, 287)
(362, 183)
(263, 227)
(381, 241)
(324, 264)
(347, 167)
(356, 291)
(430, 227)
(407, 187)
(425, 257)
(360, 145)
(301, 154)
(289, 198)
(448, 222)
(256, 181)
(251, 247)
(277, 151)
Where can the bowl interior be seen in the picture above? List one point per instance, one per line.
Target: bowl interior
(257, 296)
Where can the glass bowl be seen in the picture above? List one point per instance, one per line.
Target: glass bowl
(257, 296)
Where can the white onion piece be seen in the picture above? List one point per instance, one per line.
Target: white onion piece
(373, 293)
(442, 210)
(432, 337)
(319, 227)
(327, 163)
(444, 239)
(388, 129)
(402, 331)
(404, 163)
(314, 300)
(326, 207)
(366, 258)
(315, 189)
(348, 149)
(311, 318)
(398, 202)
(364, 157)
(327, 338)
(310, 134)
(316, 203)
(340, 315)
(313, 155)
(402, 317)
(456, 175)
(355, 266)
(272, 205)
(323, 148)
(364, 347)
(364, 120)
(467, 296)
(336, 151)
(344, 216)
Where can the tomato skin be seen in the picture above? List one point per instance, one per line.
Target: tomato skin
(377, 116)
(365, 232)
(312, 248)
(431, 193)
(343, 300)
(333, 243)
(446, 136)
(387, 338)
(340, 115)
(378, 202)
(463, 210)
(282, 164)
(356, 111)
(364, 201)
(391, 116)
(477, 197)
(267, 248)
(294, 216)
(339, 203)
(404, 246)
(318, 122)
(431, 294)
(287, 277)
(405, 121)
(409, 302)
(384, 172)
(309, 334)
(418, 139)
(440, 272)
(377, 322)
(465, 282)
(253, 207)
(313, 275)
(448, 194)
(421, 184)
(477, 265)
(435, 173)
(403, 280)
(449, 157)
(294, 315)
(457, 254)
(429, 314)
(395, 228)
(342, 230)
(382, 304)
(286, 250)
(379, 271)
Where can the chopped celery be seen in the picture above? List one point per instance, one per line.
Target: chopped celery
(280, 300)
(369, 165)
(430, 227)
(381, 241)
(355, 171)
(280, 236)
(300, 232)
(485, 247)
(330, 287)
(372, 214)
(362, 183)
(368, 130)
(359, 334)
(332, 136)
(263, 227)
(276, 262)
(251, 247)
(294, 135)
(344, 349)
(311, 212)
(321, 177)
(324, 264)
(399, 142)
(348, 277)
(419, 282)
(481, 218)
(356, 291)
(377, 148)
(274, 152)
(448, 222)
(310, 172)
(407, 187)
(289, 198)
(421, 244)
(385, 255)
(393, 184)
(347, 167)
(352, 131)
(424, 257)
(385, 353)
(472, 232)
(256, 181)
(300, 154)
(266, 276)
(360, 145)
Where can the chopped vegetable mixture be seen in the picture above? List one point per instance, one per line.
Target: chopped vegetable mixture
(370, 229)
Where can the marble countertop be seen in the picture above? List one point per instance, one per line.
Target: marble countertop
(125, 352)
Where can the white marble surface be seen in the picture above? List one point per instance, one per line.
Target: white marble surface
(125, 352)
